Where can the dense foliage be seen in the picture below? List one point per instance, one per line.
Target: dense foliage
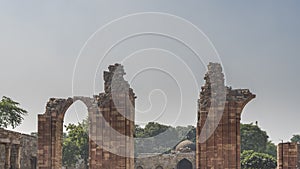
(254, 160)
(295, 138)
(254, 138)
(10, 113)
(159, 138)
(75, 145)
(271, 149)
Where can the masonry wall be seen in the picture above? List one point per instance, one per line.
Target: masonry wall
(114, 123)
(21, 146)
(219, 106)
(111, 125)
(288, 156)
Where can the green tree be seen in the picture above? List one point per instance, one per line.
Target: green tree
(159, 138)
(139, 132)
(76, 145)
(10, 113)
(253, 138)
(156, 138)
(255, 160)
(271, 149)
(295, 138)
(153, 129)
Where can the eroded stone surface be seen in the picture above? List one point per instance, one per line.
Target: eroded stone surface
(222, 148)
(108, 113)
(288, 155)
(17, 151)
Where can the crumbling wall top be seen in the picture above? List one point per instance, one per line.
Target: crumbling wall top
(239, 95)
(58, 105)
(7, 136)
(215, 88)
(114, 80)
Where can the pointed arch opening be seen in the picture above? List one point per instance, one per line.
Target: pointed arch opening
(184, 164)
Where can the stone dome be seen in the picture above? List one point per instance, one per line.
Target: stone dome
(186, 146)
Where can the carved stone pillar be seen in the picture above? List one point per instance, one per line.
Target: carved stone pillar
(18, 156)
(7, 156)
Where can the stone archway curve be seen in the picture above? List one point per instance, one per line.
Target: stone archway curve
(100, 108)
(87, 101)
(50, 129)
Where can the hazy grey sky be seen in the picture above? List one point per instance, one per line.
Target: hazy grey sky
(258, 43)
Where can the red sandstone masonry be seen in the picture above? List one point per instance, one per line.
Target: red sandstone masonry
(221, 150)
(105, 111)
(288, 156)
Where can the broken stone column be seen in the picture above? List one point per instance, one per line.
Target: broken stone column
(218, 126)
(114, 124)
(288, 155)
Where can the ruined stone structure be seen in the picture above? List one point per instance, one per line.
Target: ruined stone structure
(166, 161)
(288, 156)
(182, 157)
(17, 151)
(221, 118)
(111, 126)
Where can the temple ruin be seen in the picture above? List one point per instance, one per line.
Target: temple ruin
(218, 127)
(109, 113)
(111, 130)
(17, 151)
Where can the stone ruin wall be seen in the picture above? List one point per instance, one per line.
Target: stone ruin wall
(222, 148)
(109, 112)
(116, 110)
(288, 156)
(23, 150)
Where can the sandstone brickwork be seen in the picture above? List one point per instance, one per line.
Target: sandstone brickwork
(111, 118)
(221, 149)
(288, 156)
(17, 151)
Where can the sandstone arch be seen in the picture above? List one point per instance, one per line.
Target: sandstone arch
(107, 112)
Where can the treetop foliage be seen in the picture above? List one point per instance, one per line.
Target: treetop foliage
(76, 145)
(253, 138)
(295, 138)
(254, 160)
(10, 113)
